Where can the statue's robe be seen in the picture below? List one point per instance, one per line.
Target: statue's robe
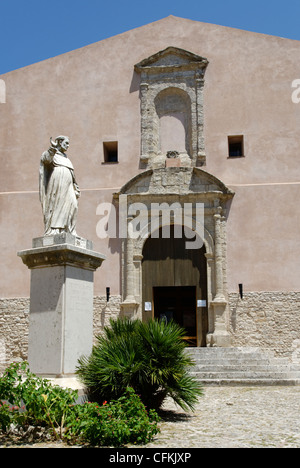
(58, 193)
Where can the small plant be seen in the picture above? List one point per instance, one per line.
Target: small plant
(7, 415)
(149, 357)
(26, 401)
(120, 422)
(39, 403)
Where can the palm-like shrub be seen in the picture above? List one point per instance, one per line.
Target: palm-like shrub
(149, 357)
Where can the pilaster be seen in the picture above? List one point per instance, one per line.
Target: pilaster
(220, 336)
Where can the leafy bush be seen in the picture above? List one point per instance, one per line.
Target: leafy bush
(149, 357)
(36, 401)
(117, 423)
(26, 400)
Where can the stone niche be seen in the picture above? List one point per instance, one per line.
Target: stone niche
(171, 90)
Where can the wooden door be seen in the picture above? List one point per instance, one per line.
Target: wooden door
(174, 276)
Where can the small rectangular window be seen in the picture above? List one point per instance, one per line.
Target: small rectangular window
(110, 151)
(235, 146)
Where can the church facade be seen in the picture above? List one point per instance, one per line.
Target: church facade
(184, 138)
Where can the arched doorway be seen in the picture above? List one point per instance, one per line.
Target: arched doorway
(174, 283)
(141, 201)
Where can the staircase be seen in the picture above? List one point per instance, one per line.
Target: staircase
(242, 366)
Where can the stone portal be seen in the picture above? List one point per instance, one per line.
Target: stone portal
(174, 195)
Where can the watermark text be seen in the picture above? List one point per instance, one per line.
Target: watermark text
(140, 221)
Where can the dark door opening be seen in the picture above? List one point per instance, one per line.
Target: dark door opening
(178, 303)
(174, 280)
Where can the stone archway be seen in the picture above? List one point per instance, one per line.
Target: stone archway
(179, 189)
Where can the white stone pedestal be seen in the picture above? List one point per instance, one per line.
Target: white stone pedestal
(61, 302)
(220, 337)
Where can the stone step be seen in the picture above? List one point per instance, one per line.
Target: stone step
(236, 350)
(242, 365)
(245, 367)
(244, 362)
(240, 358)
(250, 382)
(244, 375)
(237, 356)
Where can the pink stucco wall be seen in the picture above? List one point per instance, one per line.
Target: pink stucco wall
(92, 95)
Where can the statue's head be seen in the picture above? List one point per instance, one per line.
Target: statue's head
(61, 143)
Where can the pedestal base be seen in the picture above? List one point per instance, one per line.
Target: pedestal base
(61, 303)
(129, 308)
(220, 337)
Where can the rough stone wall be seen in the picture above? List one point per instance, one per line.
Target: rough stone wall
(269, 320)
(14, 321)
(104, 311)
(14, 325)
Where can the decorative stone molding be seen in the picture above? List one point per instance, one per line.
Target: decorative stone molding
(61, 249)
(180, 186)
(172, 154)
(172, 82)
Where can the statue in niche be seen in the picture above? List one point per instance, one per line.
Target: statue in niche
(59, 191)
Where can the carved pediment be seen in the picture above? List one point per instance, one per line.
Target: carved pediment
(171, 57)
(177, 181)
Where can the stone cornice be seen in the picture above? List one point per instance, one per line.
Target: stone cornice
(158, 182)
(61, 255)
(169, 59)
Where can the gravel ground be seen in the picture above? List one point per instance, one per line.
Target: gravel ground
(227, 417)
(237, 417)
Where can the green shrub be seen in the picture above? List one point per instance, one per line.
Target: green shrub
(36, 402)
(33, 401)
(117, 423)
(149, 357)
(7, 415)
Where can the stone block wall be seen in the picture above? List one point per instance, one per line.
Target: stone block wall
(268, 320)
(14, 325)
(104, 311)
(14, 321)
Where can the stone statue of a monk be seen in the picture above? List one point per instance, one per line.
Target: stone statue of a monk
(59, 191)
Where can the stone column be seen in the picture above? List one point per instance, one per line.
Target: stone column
(129, 305)
(210, 272)
(201, 157)
(144, 123)
(137, 260)
(220, 336)
(219, 259)
(61, 302)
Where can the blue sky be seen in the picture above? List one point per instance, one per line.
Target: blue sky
(34, 30)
